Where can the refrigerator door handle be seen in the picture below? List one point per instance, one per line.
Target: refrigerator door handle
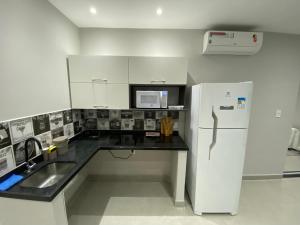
(214, 137)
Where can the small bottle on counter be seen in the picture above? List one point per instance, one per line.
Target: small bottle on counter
(62, 144)
(52, 155)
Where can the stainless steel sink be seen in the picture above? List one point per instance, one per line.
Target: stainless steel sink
(48, 175)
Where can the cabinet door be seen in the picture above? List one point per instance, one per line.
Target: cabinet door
(100, 69)
(82, 95)
(157, 70)
(100, 95)
(118, 96)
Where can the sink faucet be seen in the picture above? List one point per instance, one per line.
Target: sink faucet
(30, 164)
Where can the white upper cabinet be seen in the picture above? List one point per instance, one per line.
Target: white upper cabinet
(99, 96)
(157, 70)
(111, 96)
(82, 95)
(118, 96)
(100, 69)
(103, 81)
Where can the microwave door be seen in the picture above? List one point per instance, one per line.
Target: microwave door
(147, 99)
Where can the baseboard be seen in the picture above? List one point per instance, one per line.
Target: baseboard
(294, 149)
(262, 177)
(151, 178)
(291, 174)
(179, 204)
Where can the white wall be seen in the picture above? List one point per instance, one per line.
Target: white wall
(35, 39)
(275, 72)
(296, 120)
(140, 42)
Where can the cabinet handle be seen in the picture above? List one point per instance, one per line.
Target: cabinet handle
(100, 106)
(100, 80)
(158, 81)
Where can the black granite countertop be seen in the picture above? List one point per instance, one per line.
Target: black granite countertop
(82, 149)
(113, 140)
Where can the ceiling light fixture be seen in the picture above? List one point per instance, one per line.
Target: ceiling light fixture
(159, 11)
(93, 10)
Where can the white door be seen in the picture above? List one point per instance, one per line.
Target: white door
(157, 70)
(229, 102)
(118, 96)
(82, 95)
(219, 171)
(105, 69)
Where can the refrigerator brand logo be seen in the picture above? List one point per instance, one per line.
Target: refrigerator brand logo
(228, 94)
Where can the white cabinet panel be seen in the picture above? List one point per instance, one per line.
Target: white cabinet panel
(82, 95)
(118, 96)
(157, 70)
(100, 95)
(105, 69)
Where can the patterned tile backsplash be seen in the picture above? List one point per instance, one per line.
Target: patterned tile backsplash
(48, 126)
(45, 127)
(126, 119)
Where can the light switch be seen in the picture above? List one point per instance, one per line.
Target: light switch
(278, 113)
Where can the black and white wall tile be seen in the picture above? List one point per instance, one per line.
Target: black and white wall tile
(161, 114)
(127, 124)
(138, 124)
(56, 120)
(90, 114)
(44, 127)
(149, 124)
(69, 130)
(48, 126)
(21, 129)
(67, 117)
(57, 132)
(7, 161)
(5, 139)
(138, 115)
(91, 123)
(41, 124)
(103, 124)
(19, 151)
(127, 119)
(45, 139)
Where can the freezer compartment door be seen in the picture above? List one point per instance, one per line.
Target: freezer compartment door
(231, 103)
(219, 176)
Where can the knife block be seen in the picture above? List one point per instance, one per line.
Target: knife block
(166, 126)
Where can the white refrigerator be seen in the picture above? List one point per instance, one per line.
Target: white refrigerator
(216, 133)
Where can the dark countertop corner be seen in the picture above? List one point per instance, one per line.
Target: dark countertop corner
(82, 148)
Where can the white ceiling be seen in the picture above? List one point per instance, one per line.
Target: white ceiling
(262, 15)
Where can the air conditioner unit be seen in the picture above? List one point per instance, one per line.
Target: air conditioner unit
(232, 42)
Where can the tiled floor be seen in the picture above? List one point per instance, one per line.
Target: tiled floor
(269, 202)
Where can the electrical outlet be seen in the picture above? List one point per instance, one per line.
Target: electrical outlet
(278, 113)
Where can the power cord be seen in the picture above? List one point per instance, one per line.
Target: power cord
(120, 157)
